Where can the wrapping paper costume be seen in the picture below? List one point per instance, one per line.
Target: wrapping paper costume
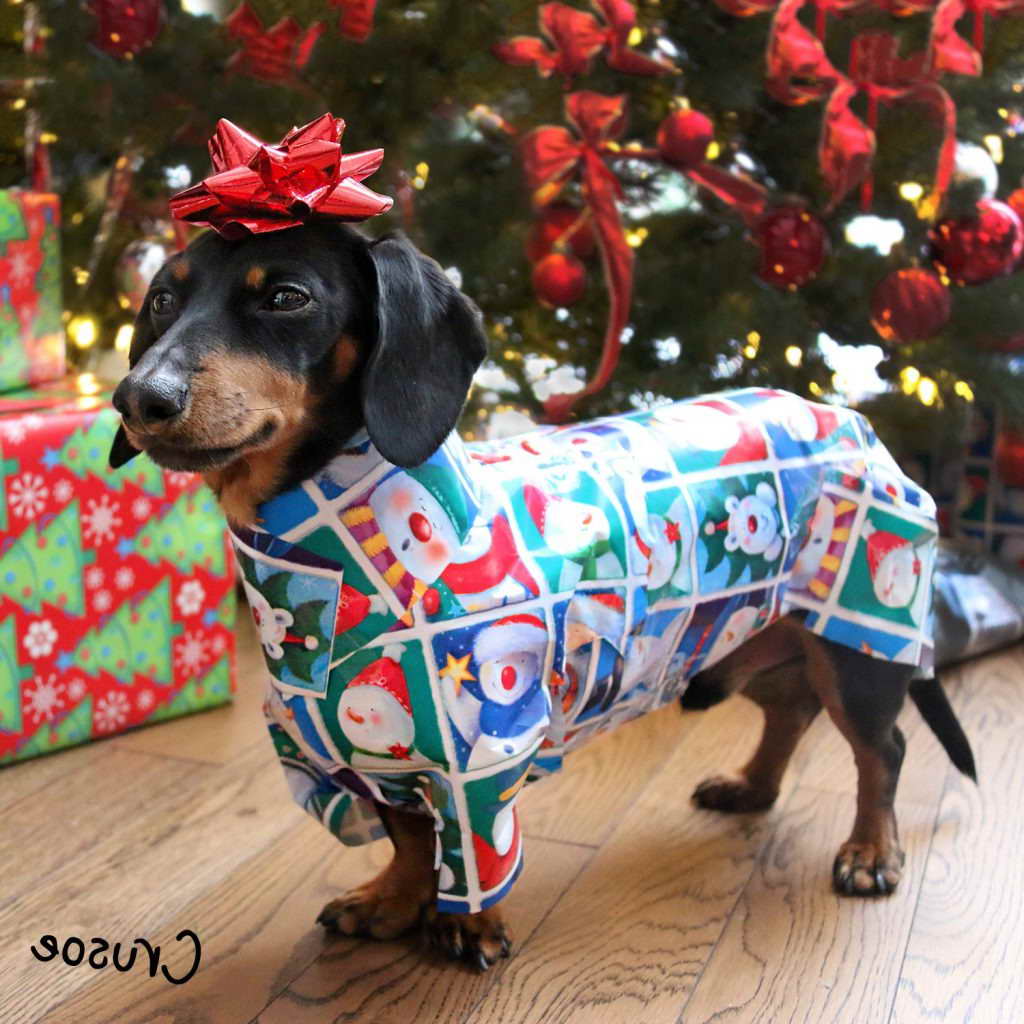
(437, 637)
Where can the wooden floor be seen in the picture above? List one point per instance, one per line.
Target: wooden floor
(633, 907)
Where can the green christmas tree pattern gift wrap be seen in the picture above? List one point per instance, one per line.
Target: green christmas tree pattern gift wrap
(31, 335)
(116, 588)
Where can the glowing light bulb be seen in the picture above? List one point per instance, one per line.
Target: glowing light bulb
(794, 355)
(83, 331)
(123, 338)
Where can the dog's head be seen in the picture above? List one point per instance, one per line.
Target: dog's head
(258, 359)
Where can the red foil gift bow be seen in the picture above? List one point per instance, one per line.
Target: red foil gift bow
(257, 188)
(356, 20)
(552, 156)
(572, 38)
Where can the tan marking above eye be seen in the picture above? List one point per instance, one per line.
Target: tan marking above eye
(346, 355)
(255, 277)
(181, 268)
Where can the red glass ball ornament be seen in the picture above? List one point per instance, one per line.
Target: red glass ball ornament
(552, 223)
(559, 279)
(972, 250)
(684, 137)
(125, 28)
(1009, 457)
(910, 305)
(794, 244)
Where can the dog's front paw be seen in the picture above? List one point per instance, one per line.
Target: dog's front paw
(377, 909)
(864, 869)
(479, 939)
(730, 794)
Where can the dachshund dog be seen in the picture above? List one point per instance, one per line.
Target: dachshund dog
(442, 622)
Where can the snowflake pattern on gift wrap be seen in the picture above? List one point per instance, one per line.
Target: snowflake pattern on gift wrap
(14, 432)
(45, 699)
(102, 601)
(22, 267)
(218, 643)
(190, 653)
(141, 508)
(28, 495)
(100, 520)
(63, 491)
(124, 578)
(94, 577)
(180, 479)
(111, 712)
(40, 638)
(190, 597)
(77, 689)
(145, 700)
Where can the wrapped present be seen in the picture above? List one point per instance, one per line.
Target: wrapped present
(31, 335)
(117, 594)
(989, 513)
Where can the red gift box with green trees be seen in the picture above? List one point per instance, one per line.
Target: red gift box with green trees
(116, 588)
(31, 334)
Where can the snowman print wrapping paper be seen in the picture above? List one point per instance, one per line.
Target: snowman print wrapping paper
(437, 637)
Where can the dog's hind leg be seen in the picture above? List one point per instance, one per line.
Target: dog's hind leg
(863, 696)
(393, 902)
(770, 669)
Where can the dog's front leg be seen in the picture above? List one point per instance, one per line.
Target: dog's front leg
(479, 939)
(391, 903)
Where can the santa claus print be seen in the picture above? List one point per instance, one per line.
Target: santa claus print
(895, 566)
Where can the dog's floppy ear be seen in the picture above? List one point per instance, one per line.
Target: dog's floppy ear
(143, 335)
(429, 344)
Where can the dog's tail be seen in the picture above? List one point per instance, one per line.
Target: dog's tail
(932, 702)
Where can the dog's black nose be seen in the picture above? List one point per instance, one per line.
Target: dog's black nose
(152, 401)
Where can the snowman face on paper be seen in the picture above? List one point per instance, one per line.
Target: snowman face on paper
(808, 562)
(754, 523)
(897, 576)
(572, 528)
(418, 529)
(664, 557)
(373, 720)
(505, 680)
(272, 623)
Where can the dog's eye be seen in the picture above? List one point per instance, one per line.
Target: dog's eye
(284, 300)
(163, 303)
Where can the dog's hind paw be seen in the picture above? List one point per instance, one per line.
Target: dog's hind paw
(732, 795)
(863, 869)
(478, 939)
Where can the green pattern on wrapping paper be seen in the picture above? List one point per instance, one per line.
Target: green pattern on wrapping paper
(12, 675)
(43, 566)
(209, 690)
(87, 450)
(75, 727)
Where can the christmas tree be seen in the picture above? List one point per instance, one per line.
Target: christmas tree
(758, 213)
(45, 566)
(175, 536)
(74, 727)
(135, 640)
(209, 689)
(11, 677)
(87, 450)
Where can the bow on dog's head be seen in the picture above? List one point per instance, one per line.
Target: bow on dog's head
(257, 356)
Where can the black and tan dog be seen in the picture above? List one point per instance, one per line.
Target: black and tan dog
(254, 362)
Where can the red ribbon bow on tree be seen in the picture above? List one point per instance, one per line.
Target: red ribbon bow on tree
(257, 188)
(273, 54)
(552, 156)
(356, 21)
(572, 38)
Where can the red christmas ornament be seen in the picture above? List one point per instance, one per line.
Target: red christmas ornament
(559, 279)
(972, 250)
(910, 305)
(274, 54)
(1009, 457)
(793, 245)
(552, 223)
(684, 137)
(125, 28)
